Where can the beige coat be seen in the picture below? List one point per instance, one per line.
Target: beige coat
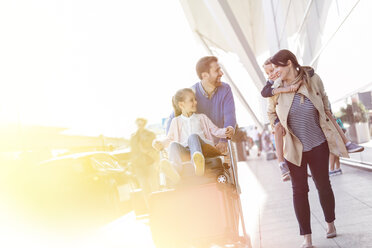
(279, 106)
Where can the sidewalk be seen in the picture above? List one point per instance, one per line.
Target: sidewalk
(268, 212)
(277, 225)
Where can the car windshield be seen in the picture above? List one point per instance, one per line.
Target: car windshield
(104, 161)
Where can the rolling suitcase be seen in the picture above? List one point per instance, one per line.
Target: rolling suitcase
(198, 215)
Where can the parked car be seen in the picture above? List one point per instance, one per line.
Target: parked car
(83, 185)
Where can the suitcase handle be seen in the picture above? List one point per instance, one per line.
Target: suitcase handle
(233, 166)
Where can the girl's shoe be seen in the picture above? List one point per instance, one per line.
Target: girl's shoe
(332, 173)
(338, 171)
(199, 163)
(284, 170)
(352, 147)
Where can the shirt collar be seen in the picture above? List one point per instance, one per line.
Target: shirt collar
(205, 93)
(187, 118)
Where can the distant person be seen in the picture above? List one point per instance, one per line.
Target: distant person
(214, 98)
(143, 155)
(190, 136)
(256, 136)
(309, 138)
(334, 161)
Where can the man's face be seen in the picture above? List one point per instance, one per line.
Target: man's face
(215, 74)
(140, 124)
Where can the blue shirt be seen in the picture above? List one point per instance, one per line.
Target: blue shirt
(220, 108)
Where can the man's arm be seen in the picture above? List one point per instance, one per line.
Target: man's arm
(229, 117)
(229, 109)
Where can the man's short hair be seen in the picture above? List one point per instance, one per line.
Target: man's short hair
(204, 64)
(140, 119)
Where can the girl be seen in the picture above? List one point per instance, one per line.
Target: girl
(310, 137)
(191, 136)
(271, 88)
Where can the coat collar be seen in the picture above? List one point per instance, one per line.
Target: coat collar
(285, 101)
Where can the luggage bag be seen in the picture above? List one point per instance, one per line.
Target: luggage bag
(199, 215)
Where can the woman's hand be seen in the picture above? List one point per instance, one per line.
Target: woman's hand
(229, 131)
(157, 145)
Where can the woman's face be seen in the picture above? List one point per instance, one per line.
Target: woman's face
(269, 69)
(282, 71)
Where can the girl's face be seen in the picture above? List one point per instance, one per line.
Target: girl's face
(189, 103)
(269, 69)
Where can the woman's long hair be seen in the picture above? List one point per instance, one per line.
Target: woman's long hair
(180, 97)
(281, 59)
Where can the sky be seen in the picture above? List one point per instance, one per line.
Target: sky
(93, 66)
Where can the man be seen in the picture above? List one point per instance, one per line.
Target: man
(214, 97)
(143, 155)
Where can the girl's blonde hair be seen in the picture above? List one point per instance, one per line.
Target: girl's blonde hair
(180, 97)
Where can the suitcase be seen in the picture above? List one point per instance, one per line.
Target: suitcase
(270, 155)
(196, 216)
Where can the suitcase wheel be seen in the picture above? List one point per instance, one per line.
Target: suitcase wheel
(222, 178)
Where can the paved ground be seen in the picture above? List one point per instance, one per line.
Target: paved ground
(277, 226)
(268, 212)
(269, 215)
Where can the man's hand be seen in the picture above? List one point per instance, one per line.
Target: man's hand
(229, 131)
(279, 128)
(157, 145)
(222, 147)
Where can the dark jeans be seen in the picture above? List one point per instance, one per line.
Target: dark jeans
(317, 159)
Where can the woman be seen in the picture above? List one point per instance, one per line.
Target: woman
(309, 138)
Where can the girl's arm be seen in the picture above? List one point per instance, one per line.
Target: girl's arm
(291, 88)
(162, 144)
(267, 91)
(218, 132)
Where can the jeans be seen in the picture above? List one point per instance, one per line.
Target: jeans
(179, 153)
(317, 159)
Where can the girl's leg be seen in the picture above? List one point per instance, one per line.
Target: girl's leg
(195, 145)
(178, 154)
(337, 163)
(332, 159)
(278, 135)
